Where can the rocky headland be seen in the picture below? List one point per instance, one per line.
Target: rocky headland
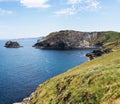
(69, 39)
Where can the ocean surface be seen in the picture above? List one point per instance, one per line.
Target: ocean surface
(23, 69)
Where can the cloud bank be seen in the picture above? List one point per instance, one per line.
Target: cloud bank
(69, 7)
(76, 6)
(72, 6)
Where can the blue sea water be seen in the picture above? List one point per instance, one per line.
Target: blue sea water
(23, 69)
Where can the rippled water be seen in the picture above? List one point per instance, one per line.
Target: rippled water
(23, 69)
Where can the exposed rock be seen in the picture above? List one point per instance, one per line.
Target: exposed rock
(99, 44)
(68, 39)
(25, 101)
(10, 44)
(97, 53)
(90, 55)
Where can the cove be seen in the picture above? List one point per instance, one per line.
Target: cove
(23, 69)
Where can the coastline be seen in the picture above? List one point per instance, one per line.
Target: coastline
(102, 50)
(72, 75)
(27, 99)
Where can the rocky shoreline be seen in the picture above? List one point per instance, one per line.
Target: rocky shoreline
(97, 53)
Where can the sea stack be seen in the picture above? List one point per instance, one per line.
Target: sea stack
(11, 44)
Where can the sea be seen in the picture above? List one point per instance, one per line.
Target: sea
(23, 69)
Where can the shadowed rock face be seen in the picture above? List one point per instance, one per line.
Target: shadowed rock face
(10, 44)
(68, 39)
(97, 53)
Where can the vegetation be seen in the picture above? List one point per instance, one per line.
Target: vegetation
(94, 82)
(109, 37)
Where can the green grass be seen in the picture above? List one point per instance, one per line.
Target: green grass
(93, 82)
(109, 37)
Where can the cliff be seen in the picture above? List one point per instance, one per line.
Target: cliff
(94, 82)
(69, 39)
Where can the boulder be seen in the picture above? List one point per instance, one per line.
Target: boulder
(90, 55)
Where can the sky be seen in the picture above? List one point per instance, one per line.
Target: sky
(35, 18)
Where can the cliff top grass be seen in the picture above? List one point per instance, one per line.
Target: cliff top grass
(94, 82)
(109, 37)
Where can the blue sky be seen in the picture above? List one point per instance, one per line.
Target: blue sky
(34, 18)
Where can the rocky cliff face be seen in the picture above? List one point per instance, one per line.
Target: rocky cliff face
(68, 39)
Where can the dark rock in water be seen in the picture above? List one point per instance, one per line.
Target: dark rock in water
(97, 53)
(90, 55)
(10, 44)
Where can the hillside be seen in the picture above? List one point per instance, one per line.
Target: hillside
(69, 39)
(94, 82)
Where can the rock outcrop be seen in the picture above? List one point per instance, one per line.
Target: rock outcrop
(11, 44)
(68, 39)
(98, 53)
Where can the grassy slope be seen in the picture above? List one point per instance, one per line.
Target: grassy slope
(109, 37)
(94, 82)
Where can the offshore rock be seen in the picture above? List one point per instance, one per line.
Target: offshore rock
(11, 44)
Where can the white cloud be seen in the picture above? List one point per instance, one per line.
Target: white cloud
(72, 6)
(67, 11)
(74, 1)
(93, 4)
(75, 6)
(2, 11)
(35, 3)
(31, 3)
